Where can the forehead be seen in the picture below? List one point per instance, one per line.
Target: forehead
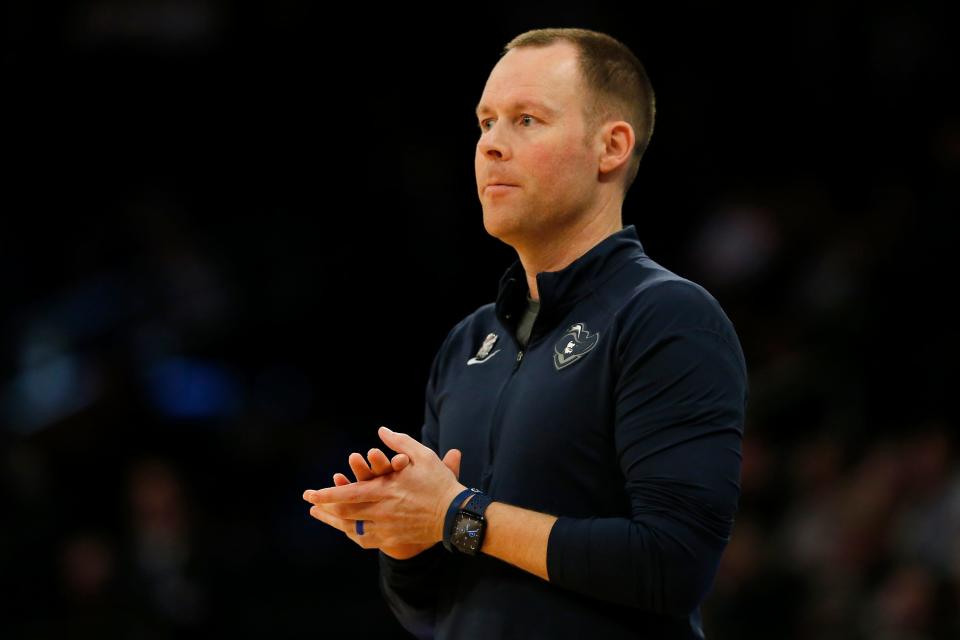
(547, 77)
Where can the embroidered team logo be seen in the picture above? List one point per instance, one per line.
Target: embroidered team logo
(484, 353)
(574, 344)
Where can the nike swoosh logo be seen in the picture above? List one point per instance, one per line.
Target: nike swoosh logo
(475, 361)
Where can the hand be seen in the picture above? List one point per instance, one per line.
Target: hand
(405, 508)
(381, 466)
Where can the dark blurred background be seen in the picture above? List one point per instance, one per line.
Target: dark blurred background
(233, 238)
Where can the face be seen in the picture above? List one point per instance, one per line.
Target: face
(532, 137)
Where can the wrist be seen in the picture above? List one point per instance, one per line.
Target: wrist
(405, 551)
(445, 504)
(465, 524)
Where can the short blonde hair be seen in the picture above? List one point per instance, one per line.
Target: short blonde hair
(615, 77)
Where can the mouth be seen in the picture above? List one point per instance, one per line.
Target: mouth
(499, 188)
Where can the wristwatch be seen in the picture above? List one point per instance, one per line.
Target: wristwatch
(464, 526)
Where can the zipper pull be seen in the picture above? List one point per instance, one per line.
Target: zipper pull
(519, 356)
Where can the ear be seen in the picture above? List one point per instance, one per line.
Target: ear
(617, 141)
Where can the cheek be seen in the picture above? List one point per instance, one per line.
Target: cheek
(557, 168)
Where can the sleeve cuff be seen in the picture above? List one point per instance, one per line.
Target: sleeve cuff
(563, 553)
(423, 565)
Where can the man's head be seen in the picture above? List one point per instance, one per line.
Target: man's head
(565, 115)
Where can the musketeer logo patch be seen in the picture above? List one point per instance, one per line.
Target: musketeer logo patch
(574, 344)
(484, 353)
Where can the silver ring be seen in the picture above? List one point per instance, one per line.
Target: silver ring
(360, 527)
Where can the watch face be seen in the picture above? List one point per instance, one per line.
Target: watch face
(468, 533)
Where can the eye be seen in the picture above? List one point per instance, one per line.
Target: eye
(523, 117)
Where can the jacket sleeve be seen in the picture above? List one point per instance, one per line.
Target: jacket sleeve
(680, 388)
(411, 587)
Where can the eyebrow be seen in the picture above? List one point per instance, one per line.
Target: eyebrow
(519, 104)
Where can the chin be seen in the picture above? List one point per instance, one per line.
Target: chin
(501, 224)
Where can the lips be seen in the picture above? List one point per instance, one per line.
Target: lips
(499, 188)
(495, 182)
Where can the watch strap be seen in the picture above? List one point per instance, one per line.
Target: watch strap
(478, 504)
(451, 515)
(473, 509)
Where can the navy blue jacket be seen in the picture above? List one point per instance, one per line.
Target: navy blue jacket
(623, 416)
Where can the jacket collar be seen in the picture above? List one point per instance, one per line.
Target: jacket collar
(560, 290)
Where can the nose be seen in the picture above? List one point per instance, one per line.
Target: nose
(492, 145)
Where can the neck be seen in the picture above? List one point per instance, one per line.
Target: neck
(556, 250)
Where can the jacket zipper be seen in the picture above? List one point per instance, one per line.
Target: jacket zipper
(494, 420)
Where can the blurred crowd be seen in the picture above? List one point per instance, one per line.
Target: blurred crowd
(835, 541)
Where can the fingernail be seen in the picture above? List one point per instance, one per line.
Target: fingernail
(387, 430)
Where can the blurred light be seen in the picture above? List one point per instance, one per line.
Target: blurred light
(51, 386)
(735, 244)
(183, 388)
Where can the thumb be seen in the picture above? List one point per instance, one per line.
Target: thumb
(452, 460)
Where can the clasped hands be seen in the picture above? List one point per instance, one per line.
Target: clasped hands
(402, 502)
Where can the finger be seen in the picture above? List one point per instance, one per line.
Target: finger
(452, 460)
(323, 515)
(353, 492)
(339, 479)
(379, 462)
(403, 443)
(355, 511)
(360, 469)
(367, 539)
(400, 461)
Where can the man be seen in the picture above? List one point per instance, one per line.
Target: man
(590, 420)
